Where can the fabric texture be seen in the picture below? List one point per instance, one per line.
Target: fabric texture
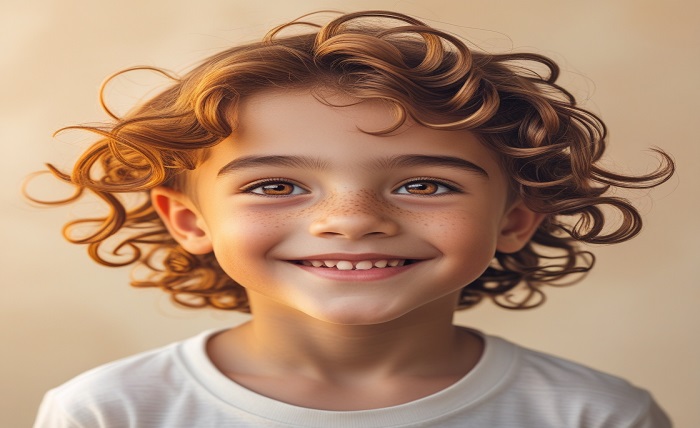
(511, 386)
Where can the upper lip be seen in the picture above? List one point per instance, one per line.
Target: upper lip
(355, 257)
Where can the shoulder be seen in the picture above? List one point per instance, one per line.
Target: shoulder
(117, 390)
(549, 371)
(574, 393)
(130, 372)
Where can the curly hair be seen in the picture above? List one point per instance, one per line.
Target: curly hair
(548, 146)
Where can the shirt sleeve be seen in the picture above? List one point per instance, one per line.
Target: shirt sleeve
(653, 417)
(52, 415)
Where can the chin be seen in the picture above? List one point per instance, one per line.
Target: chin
(357, 315)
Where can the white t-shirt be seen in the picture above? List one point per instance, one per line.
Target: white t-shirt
(178, 386)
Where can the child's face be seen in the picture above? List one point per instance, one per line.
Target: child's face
(299, 184)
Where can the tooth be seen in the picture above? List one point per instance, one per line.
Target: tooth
(316, 263)
(381, 263)
(344, 265)
(363, 265)
(306, 263)
(393, 263)
(402, 262)
(330, 263)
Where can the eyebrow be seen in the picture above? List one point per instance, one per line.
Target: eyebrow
(404, 161)
(302, 162)
(391, 162)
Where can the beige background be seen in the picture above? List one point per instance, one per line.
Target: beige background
(634, 62)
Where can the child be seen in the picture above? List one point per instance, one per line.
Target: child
(351, 187)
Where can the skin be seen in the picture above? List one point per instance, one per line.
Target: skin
(355, 339)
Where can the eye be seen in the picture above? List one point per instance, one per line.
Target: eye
(274, 188)
(425, 187)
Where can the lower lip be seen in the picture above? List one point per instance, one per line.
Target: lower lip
(374, 274)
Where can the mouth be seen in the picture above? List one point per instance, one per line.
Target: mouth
(345, 265)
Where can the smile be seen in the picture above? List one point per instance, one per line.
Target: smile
(368, 268)
(355, 265)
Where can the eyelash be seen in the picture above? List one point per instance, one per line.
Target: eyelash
(449, 186)
(249, 188)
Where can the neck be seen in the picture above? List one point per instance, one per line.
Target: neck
(277, 341)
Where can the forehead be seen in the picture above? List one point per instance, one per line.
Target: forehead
(268, 111)
(331, 116)
(337, 131)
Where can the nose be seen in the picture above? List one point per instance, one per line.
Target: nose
(357, 216)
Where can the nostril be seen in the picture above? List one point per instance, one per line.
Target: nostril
(354, 226)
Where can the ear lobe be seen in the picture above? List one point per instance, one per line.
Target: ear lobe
(182, 219)
(519, 224)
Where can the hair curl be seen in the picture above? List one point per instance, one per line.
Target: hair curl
(548, 146)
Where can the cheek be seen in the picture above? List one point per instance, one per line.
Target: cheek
(248, 229)
(457, 226)
(464, 237)
(244, 240)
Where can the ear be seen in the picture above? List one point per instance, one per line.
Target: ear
(518, 226)
(182, 219)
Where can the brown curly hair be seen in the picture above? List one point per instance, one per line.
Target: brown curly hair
(548, 146)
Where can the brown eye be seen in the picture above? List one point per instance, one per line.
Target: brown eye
(277, 188)
(424, 188)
